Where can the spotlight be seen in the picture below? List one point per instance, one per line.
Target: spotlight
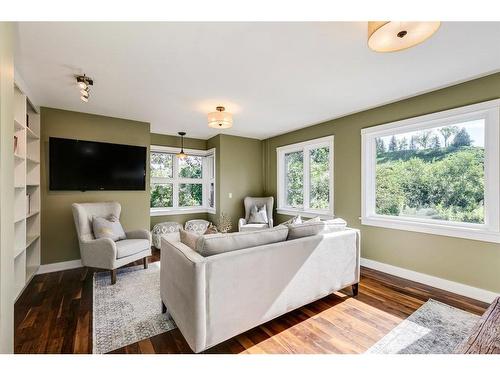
(84, 84)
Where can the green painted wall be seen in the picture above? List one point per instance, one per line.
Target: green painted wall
(59, 241)
(239, 173)
(470, 262)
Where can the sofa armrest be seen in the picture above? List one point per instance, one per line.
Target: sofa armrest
(100, 253)
(182, 289)
(141, 234)
(241, 222)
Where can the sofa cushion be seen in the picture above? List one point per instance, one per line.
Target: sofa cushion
(294, 220)
(189, 238)
(124, 248)
(108, 228)
(223, 242)
(315, 227)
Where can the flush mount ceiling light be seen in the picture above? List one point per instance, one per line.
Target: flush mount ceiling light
(84, 84)
(220, 119)
(391, 36)
(181, 154)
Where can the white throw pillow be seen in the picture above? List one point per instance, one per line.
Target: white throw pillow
(258, 215)
(108, 228)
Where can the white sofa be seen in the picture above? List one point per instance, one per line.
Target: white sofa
(217, 297)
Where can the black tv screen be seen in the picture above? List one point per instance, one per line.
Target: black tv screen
(85, 165)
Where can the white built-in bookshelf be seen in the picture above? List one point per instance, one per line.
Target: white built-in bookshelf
(26, 191)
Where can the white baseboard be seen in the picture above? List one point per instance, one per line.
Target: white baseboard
(61, 266)
(436, 282)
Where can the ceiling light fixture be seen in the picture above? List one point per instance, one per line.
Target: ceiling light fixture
(220, 119)
(391, 36)
(181, 154)
(84, 84)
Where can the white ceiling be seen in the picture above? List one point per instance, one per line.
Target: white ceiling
(274, 77)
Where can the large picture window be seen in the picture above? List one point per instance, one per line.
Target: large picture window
(305, 178)
(435, 174)
(182, 185)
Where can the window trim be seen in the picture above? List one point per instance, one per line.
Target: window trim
(281, 195)
(490, 230)
(205, 180)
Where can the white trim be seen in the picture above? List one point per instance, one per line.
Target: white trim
(305, 147)
(490, 230)
(436, 282)
(156, 211)
(175, 150)
(61, 266)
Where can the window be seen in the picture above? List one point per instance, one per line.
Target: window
(436, 174)
(182, 185)
(305, 178)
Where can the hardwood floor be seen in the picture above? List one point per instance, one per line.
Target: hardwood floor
(54, 315)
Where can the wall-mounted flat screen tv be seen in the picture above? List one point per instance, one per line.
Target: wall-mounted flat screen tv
(86, 165)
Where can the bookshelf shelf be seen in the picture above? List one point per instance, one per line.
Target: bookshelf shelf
(26, 148)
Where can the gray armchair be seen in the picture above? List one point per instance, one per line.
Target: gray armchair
(105, 253)
(249, 202)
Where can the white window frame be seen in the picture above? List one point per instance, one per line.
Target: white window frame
(490, 230)
(176, 180)
(305, 147)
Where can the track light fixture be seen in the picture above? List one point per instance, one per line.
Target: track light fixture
(84, 84)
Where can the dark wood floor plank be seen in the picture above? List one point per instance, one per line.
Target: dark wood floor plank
(54, 315)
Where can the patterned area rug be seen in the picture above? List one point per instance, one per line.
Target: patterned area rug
(128, 311)
(435, 328)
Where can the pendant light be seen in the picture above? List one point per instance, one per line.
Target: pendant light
(391, 36)
(220, 119)
(84, 84)
(181, 154)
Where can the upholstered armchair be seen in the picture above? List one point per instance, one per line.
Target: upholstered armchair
(105, 253)
(249, 202)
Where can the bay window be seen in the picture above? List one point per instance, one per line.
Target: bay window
(182, 185)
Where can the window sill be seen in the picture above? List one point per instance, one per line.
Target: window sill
(450, 230)
(180, 211)
(294, 212)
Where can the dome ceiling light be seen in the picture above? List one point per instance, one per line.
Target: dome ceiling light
(391, 36)
(220, 119)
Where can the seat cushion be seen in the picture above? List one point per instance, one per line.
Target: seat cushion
(125, 248)
(313, 228)
(212, 244)
(252, 227)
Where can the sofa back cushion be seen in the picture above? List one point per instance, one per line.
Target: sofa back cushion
(313, 228)
(212, 244)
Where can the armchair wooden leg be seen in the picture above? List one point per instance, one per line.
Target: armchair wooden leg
(163, 308)
(355, 288)
(145, 261)
(113, 277)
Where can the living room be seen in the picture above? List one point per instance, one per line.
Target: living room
(250, 187)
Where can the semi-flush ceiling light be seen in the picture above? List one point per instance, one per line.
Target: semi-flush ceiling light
(181, 154)
(390, 36)
(220, 119)
(84, 83)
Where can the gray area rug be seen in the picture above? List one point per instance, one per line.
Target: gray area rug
(435, 328)
(128, 311)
